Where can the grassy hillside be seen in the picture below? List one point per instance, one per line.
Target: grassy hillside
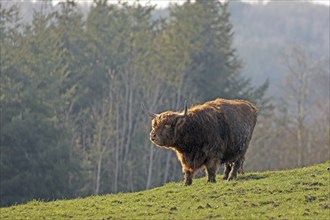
(288, 194)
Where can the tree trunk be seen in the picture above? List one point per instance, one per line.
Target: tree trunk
(116, 176)
(151, 155)
(98, 174)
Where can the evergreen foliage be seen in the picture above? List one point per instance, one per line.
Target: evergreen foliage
(34, 146)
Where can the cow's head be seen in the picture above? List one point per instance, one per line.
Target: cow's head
(165, 126)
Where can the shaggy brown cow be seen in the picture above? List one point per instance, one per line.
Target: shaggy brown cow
(207, 135)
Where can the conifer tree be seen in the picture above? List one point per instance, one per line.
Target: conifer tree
(34, 147)
(202, 36)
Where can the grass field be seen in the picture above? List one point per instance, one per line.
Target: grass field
(288, 194)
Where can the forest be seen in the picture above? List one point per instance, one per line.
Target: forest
(72, 85)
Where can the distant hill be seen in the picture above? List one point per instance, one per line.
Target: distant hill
(262, 32)
(288, 194)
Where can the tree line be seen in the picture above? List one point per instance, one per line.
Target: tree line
(72, 87)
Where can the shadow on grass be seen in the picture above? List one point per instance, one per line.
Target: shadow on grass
(252, 176)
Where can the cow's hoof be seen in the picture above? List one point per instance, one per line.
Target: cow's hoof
(188, 182)
(231, 177)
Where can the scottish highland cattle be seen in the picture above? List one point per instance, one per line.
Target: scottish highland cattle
(206, 136)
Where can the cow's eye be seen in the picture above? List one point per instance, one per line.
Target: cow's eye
(167, 126)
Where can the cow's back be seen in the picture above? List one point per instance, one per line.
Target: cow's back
(240, 118)
(237, 113)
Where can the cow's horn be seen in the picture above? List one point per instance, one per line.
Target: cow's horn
(153, 115)
(185, 112)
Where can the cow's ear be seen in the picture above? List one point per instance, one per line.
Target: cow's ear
(179, 125)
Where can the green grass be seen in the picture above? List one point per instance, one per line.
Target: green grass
(288, 194)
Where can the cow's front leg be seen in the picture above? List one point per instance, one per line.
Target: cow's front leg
(188, 175)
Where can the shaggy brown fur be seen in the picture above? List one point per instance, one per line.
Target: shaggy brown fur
(207, 135)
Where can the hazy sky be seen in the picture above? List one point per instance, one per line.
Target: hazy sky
(164, 3)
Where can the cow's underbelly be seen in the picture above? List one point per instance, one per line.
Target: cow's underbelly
(192, 161)
(231, 155)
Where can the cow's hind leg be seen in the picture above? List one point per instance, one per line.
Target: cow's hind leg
(241, 170)
(234, 168)
(226, 171)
